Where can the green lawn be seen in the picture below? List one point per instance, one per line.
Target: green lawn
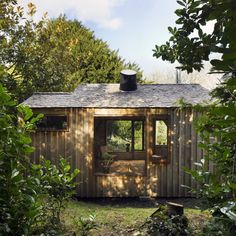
(119, 218)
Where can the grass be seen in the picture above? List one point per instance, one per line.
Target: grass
(120, 217)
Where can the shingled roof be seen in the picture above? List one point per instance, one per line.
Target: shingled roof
(109, 96)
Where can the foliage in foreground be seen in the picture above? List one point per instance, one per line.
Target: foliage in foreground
(162, 224)
(30, 195)
(219, 225)
(18, 189)
(86, 224)
(191, 46)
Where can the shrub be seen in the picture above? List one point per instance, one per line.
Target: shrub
(223, 221)
(57, 186)
(18, 188)
(30, 194)
(163, 225)
(86, 224)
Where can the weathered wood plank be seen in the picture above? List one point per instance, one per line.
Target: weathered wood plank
(175, 153)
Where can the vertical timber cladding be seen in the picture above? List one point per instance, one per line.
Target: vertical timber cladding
(76, 144)
(184, 151)
(52, 144)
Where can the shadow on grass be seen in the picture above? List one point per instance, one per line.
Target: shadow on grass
(191, 203)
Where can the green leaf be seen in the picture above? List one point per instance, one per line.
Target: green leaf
(181, 3)
(15, 173)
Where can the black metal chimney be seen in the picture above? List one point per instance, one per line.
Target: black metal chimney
(128, 80)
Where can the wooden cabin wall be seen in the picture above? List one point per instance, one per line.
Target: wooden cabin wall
(160, 180)
(167, 179)
(75, 144)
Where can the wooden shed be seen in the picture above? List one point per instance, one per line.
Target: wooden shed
(126, 144)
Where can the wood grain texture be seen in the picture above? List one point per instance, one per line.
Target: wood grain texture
(159, 179)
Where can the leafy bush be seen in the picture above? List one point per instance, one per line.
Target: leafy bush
(164, 225)
(86, 224)
(30, 194)
(216, 126)
(219, 226)
(18, 188)
(171, 226)
(57, 185)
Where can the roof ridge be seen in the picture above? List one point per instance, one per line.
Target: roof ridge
(92, 84)
(52, 93)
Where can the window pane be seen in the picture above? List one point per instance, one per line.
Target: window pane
(161, 133)
(138, 135)
(119, 134)
(53, 123)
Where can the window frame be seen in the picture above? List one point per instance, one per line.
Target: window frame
(155, 157)
(48, 129)
(132, 156)
(132, 119)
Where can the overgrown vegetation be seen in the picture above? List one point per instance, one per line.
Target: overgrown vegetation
(57, 186)
(163, 224)
(190, 46)
(31, 196)
(18, 187)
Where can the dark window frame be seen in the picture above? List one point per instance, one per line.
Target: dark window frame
(133, 156)
(132, 119)
(50, 129)
(155, 157)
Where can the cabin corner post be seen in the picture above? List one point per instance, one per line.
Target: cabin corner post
(174, 149)
(148, 184)
(87, 142)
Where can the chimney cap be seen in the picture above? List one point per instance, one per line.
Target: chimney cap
(128, 72)
(128, 80)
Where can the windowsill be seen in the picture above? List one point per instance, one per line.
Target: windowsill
(121, 152)
(52, 130)
(158, 159)
(118, 174)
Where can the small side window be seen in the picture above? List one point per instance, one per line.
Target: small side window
(138, 135)
(53, 123)
(161, 132)
(160, 142)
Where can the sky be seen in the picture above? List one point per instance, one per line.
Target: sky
(133, 27)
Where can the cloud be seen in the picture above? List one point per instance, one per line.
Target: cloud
(100, 12)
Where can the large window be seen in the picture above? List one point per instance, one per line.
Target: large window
(119, 146)
(53, 123)
(124, 135)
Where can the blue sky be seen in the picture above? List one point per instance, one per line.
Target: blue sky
(144, 24)
(131, 26)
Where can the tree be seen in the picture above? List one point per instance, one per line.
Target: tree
(68, 54)
(191, 46)
(53, 55)
(16, 34)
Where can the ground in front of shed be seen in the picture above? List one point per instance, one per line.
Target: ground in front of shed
(123, 216)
